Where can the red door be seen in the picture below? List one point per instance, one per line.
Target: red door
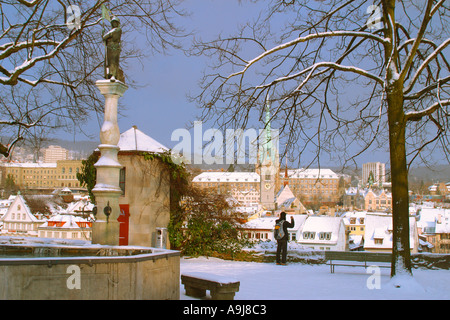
(124, 219)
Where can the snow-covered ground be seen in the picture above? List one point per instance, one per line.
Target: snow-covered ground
(296, 281)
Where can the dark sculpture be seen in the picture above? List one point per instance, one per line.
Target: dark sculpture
(113, 48)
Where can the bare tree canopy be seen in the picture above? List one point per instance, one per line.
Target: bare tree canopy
(343, 77)
(51, 54)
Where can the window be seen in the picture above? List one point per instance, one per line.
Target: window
(122, 176)
(309, 235)
(324, 235)
(378, 241)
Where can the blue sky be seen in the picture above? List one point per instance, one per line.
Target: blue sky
(161, 106)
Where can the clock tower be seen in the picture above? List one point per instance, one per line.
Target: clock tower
(268, 163)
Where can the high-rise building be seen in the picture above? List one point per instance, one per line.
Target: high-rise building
(55, 153)
(376, 171)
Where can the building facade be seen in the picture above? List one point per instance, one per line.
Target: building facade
(243, 186)
(377, 200)
(19, 221)
(315, 186)
(40, 175)
(442, 237)
(324, 233)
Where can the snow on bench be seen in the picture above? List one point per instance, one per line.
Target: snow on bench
(357, 259)
(220, 287)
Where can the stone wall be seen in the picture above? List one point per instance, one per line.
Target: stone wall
(154, 275)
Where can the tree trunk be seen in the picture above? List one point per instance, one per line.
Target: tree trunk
(401, 261)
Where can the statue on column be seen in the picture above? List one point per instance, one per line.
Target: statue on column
(113, 48)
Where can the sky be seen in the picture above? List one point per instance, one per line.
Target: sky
(161, 106)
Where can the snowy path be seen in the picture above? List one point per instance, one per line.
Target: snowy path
(297, 281)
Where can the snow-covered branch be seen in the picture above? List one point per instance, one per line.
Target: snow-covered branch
(14, 76)
(428, 88)
(29, 3)
(18, 123)
(428, 13)
(425, 63)
(418, 115)
(309, 38)
(436, 7)
(330, 65)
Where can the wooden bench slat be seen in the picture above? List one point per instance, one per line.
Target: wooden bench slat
(220, 287)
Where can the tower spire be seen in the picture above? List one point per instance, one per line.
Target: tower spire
(286, 178)
(267, 149)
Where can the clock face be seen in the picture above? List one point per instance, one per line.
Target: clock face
(268, 186)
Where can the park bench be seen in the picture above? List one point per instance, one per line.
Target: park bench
(220, 288)
(357, 259)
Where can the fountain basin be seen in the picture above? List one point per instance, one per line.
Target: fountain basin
(42, 269)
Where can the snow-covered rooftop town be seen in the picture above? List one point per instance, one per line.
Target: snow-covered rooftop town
(241, 150)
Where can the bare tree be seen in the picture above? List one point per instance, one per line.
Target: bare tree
(51, 54)
(343, 77)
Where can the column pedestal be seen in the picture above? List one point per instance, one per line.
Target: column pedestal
(105, 230)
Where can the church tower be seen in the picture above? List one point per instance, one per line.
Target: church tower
(268, 163)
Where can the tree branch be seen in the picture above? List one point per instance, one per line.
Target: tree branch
(418, 115)
(308, 38)
(424, 64)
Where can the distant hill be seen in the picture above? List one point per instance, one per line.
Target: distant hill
(86, 147)
(78, 149)
(437, 173)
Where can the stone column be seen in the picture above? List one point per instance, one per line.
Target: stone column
(105, 230)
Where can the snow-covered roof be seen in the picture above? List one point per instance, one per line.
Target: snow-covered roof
(443, 222)
(65, 221)
(135, 140)
(29, 164)
(379, 227)
(287, 203)
(227, 177)
(428, 217)
(19, 205)
(325, 224)
(312, 173)
(358, 217)
(264, 223)
(79, 206)
(268, 223)
(284, 195)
